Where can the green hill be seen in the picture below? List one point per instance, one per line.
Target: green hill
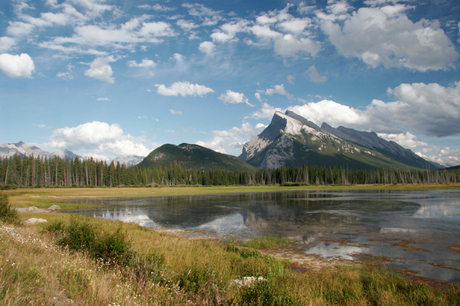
(193, 157)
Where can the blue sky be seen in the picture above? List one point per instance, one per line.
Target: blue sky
(113, 78)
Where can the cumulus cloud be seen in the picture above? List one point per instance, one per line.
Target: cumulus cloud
(17, 66)
(407, 140)
(234, 98)
(6, 43)
(183, 89)
(427, 109)
(101, 70)
(314, 75)
(289, 46)
(207, 47)
(386, 36)
(99, 138)
(441, 155)
(232, 141)
(144, 63)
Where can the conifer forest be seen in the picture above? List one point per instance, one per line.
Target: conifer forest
(34, 172)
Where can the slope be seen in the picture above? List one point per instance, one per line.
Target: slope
(193, 157)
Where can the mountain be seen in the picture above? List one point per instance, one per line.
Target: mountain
(21, 148)
(193, 157)
(25, 149)
(129, 160)
(371, 141)
(293, 140)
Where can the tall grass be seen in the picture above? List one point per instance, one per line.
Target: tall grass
(36, 267)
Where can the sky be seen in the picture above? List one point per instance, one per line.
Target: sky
(117, 78)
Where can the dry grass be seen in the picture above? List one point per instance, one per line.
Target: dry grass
(45, 197)
(34, 270)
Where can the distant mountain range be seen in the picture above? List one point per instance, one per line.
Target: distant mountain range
(193, 157)
(24, 149)
(293, 140)
(289, 140)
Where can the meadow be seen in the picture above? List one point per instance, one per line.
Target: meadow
(72, 260)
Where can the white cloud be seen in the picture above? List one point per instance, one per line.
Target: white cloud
(385, 36)
(103, 99)
(232, 141)
(407, 140)
(207, 47)
(314, 75)
(291, 79)
(17, 66)
(186, 25)
(101, 70)
(229, 30)
(156, 7)
(144, 63)
(441, 155)
(183, 89)
(100, 138)
(278, 89)
(428, 109)
(289, 46)
(175, 112)
(295, 25)
(234, 98)
(6, 43)
(126, 35)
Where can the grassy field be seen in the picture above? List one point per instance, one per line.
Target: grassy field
(45, 197)
(70, 260)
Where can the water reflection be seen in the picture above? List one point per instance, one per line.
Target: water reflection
(414, 228)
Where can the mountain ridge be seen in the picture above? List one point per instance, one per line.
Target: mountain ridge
(293, 140)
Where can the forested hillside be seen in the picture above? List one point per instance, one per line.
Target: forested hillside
(59, 172)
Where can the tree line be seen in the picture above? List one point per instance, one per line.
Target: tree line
(30, 171)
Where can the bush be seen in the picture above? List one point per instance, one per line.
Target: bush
(82, 236)
(7, 214)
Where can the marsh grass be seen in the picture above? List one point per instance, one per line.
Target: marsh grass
(165, 269)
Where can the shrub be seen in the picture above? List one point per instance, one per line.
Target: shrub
(7, 214)
(111, 248)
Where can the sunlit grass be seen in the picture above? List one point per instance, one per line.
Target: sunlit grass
(181, 271)
(46, 197)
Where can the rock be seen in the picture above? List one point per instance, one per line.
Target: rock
(32, 208)
(54, 207)
(35, 220)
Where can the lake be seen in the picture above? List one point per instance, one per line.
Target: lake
(415, 230)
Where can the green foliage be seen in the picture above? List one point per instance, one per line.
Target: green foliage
(7, 214)
(264, 293)
(111, 248)
(267, 242)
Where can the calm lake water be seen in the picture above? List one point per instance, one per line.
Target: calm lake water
(415, 230)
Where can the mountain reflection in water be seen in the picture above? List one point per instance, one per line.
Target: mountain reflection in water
(415, 228)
